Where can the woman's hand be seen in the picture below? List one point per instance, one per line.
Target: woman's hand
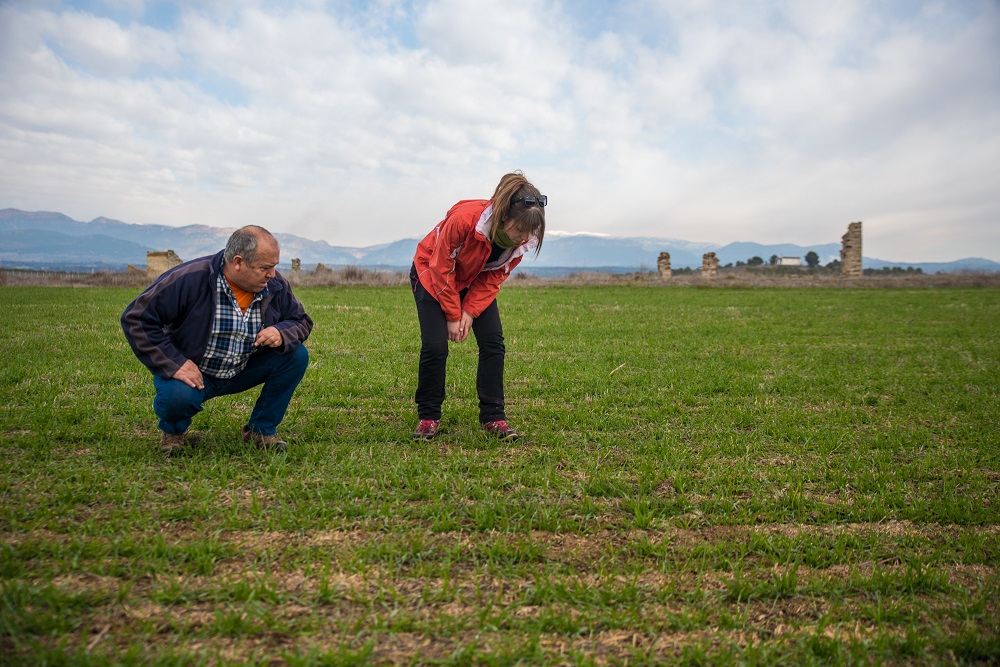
(459, 331)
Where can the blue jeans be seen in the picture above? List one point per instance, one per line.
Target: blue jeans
(176, 403)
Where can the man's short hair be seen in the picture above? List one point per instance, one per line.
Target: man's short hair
(244, 242)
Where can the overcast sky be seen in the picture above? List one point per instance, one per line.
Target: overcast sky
(776, 121)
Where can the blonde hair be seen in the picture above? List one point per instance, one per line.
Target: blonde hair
(529, 219)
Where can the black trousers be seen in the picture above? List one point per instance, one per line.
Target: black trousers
(434, 355)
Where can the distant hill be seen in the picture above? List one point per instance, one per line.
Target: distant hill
(188, 242)
(41, 246)
(44, 239)
(741, 251)
(633, 253)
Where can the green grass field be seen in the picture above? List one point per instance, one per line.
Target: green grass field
(709, 476)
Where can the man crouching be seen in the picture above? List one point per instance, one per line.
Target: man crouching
(221, 325)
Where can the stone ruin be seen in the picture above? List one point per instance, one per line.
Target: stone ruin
(159, 261)
(663, 265)
(850, 251)
(709, 264)
(296, 271)
(322, 270)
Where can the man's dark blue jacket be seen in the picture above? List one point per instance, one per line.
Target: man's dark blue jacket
(171, 321)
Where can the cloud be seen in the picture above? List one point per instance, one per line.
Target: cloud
(773, 121)
(103, 47)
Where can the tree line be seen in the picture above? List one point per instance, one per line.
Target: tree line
(812, 262)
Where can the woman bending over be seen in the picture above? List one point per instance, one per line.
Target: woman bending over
(456, 274)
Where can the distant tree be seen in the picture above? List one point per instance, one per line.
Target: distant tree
(812, 259)
(740, 262)
(755, 261)
(834, 265)
(773, 260)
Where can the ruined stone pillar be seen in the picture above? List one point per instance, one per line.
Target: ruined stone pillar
(663, 265)
(709, 264)
(850, 251)
(159, 261)
(296, 271)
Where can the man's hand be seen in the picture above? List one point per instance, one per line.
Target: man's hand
(190, 374)
(269, 337)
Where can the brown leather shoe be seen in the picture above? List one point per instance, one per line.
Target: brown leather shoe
(269, 442)
(172, 443)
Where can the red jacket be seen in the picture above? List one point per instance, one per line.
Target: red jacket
(454, 256)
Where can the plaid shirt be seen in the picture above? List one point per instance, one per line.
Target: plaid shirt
(233, 333)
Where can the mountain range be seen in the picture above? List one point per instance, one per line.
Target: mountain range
(46, 240)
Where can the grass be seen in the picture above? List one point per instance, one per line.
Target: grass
(738, 476)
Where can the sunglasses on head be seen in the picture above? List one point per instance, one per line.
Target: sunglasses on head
(531, 200)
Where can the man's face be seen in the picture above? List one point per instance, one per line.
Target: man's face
(253, 277)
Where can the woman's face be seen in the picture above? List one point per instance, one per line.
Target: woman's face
(518, 237)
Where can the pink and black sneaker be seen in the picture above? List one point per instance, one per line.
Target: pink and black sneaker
(500, 429)
(426, 429)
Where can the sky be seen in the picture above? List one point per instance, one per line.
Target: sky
(360, 123)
